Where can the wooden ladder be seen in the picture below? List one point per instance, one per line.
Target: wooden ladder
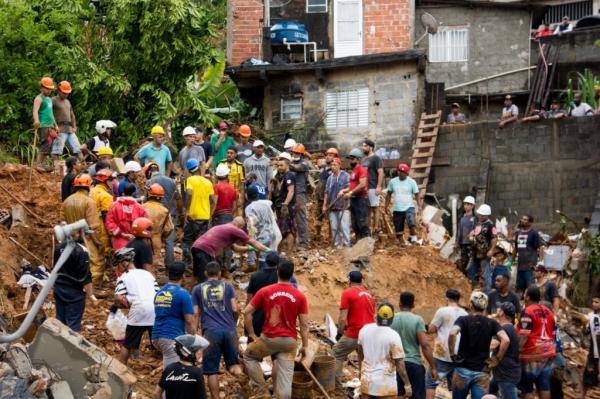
(420, 164)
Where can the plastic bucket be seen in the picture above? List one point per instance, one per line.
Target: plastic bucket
(323, 368)
(302, 385)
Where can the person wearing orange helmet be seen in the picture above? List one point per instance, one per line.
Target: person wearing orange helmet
(160, 217)
(244, 147)
(101, 193)
(67, 124)
(121, 215)
(80, 205)
(300, 167)
(142, 230)
(43, 121)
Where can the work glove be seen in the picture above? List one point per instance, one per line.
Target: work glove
(492, 362)
(250, 248)
(338, 336)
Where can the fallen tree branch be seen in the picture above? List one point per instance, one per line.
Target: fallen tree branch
(18, 244)
(32, 213)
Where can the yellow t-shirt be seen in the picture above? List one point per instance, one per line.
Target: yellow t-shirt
(236, 173)
(202, 189)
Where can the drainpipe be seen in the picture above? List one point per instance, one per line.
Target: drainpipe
(454, 216)
(490, 77)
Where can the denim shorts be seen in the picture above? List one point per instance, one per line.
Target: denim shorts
(399, 218)
(524, 279)
(444, 370)
(222, 342)
(538, 374)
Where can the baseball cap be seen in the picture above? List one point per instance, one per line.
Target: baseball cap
(453, 294)
(385, 314)
(479, 300)
(272, 257)
(258, 143)
(540, 268)
(508, 309)
(337, 160)
(355, 276)
(285, 155)
(403, 168)
(176, 268)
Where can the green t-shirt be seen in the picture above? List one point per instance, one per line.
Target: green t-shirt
(407, 325)
(221, 154)
(45, 112)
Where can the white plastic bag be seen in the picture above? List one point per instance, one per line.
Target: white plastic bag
(116, 324)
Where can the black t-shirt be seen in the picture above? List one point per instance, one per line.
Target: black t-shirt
(371, 164)
(75, 272)
(258, 280)
(182, 382)
(66, 187)
(288, 180)
(527, 244)
(495, 300)
(509, 369)
(143, 252)
(549, 292)
(476, 333)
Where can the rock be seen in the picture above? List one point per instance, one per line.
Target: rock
(360, 252)
(19, 360)
(62, 390)
(96, 373)
(6, 371)
(38, 387)
(14, 387)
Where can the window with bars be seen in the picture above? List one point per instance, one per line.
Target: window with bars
(346, 109)
(291, 108)
(315, 6)
(574, 11)
(450, 45)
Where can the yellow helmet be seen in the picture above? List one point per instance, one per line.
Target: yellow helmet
(385, 314)
(105, 151)
(157, 130)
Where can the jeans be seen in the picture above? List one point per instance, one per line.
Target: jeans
(191, 231)
(466, 253)
(444, 370)
(301, 219)
(170, 243)
(199, 261)
(222, 342)
(507, 390)
(70, 305)
(473, 273)
(465, 381)
(340, 227)
(63, 138)
(284, 349)
(341, 350)
(359, 210)
(167, 348)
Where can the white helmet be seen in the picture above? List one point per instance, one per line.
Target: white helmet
(104, 124)
(132, 166)
(484, 210)
(222, 170)
(469, 200)
(285, 155)
(188, 131)
(289, 143)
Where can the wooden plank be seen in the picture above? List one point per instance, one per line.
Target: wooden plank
(427, 154)
(419, 175)
(428, 117)
(427, 134)
(428, 126)
(416, 165)
(426, 144)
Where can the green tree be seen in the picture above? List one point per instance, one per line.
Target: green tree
(136, 62)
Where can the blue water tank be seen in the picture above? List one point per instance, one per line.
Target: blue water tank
(293, 32)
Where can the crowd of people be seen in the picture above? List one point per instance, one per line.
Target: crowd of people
(229, 197)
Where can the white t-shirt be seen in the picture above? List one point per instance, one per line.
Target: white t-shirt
(381, 346)
(507, 112)
(444, 320)
(139, 286)
(583, 109)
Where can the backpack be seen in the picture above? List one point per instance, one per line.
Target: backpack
(481, 242)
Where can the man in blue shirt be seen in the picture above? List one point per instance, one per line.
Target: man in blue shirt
(404, 189)
(214, 302)
(174, 314)
(339, 216)
(156, 151)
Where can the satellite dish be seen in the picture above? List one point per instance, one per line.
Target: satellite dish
(429, 23)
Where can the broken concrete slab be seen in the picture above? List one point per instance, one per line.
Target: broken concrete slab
(68, 354)
(360, 252)
(18, 358)
(61, 390)
(436, 235)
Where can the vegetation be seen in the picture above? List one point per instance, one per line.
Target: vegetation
(585, 83)
(136, 62)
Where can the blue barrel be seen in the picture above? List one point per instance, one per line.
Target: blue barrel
(292, 32)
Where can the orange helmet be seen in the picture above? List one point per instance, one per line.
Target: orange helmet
(142, 227)
(47, 82)
(332, 151)
(156, 190)
(83, 180)
(245, 130)
(299, 149)
(65, 87)
(148, 166)
(104, 175)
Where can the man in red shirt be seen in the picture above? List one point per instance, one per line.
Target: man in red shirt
(282, 305)
(357, 308)
(536, 342)
(225, 197)
(357, 193)
(217, 239)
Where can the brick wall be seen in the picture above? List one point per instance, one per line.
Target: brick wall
(387, 25)
(535, 168)
(244, 30)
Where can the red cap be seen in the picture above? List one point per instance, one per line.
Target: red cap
(223, 125)
(337, 160)
(403, 168)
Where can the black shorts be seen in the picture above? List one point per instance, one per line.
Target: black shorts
(200, 259)
(590, 374)
(44, 140)
(134, 334)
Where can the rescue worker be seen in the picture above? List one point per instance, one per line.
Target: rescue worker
(80, 205)
(67, 124)
(324, 173)
(43, 121)
(132, 170)
(156, 151)
(142, 229)
(161, 219)
(101, 194)
(105, 156)
(105, 129)
(121, 215)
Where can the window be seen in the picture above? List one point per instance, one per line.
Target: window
(575, 11)
(347, 109)
(314, 6)
(450, 45)
(291, 108)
